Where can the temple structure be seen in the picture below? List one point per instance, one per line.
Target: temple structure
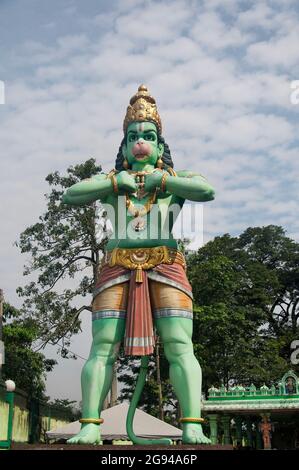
(258, 418)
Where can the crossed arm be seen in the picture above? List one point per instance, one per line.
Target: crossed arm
(191, 186)
(186, 185)
(88, 190)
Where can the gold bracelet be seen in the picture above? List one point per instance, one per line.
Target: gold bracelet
(112, 177)
(192, 420)
(91, 420)
(163, 181)
(114, 183)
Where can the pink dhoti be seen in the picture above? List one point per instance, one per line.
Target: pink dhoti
(164, 292)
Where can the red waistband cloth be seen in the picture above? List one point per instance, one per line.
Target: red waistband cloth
(139, 335)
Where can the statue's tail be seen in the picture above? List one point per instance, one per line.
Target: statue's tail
(133, 406)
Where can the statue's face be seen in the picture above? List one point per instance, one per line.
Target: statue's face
(142, 143)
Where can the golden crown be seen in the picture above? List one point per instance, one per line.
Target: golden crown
(142, 107)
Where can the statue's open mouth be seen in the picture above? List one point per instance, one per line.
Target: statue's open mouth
(141, 156)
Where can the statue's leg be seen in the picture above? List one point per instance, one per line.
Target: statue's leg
(185, 373)
(97, 373)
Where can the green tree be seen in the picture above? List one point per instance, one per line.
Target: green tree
(280, 255)
(22, 364)
(64, 406)
(237, 283)
(64, 251)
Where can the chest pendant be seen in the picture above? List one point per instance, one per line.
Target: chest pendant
(139, 224)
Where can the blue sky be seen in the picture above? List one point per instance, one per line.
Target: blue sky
(220, 71)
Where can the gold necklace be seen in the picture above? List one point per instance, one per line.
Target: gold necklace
(147, 207)
(139, 222)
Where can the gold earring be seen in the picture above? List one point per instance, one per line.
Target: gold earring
(160, 163)
(125, 164)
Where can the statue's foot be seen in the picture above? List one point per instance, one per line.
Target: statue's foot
(89, 434)
(192, 434)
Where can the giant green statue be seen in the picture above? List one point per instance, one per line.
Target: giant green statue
(142, 281)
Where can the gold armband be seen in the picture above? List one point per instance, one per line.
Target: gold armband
(112, 177)
(163, 181)
(114, 183)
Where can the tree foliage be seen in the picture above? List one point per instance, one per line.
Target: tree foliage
(64, 251)
(242, 334)
(65, 407)
(280, 255)
(25, 366)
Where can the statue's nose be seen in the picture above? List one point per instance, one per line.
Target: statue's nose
(141, 140)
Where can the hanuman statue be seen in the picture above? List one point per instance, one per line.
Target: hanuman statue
(142, 280)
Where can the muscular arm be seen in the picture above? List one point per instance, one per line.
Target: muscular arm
(191, 186)
(98, 187)
(89, 190)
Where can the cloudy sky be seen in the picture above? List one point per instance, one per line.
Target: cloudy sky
(221, 72)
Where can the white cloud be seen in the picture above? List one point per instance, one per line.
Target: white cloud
(212, 32)
(154, 24)
(260, 15)
(281, 52)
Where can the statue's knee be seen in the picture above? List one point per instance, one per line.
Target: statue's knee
(175, 349)
(105, 345)
(102, 337)
(174, 336)
(107, 332)
(175, 330)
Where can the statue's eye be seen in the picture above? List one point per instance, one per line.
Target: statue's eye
(132, 137)
(149, 137)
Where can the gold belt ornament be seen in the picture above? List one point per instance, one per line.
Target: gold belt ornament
(144, 258)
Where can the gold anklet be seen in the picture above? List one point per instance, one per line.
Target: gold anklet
(91, 420)
(192, 420)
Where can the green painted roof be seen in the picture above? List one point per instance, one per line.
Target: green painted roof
(257, 405)
(283, 396)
